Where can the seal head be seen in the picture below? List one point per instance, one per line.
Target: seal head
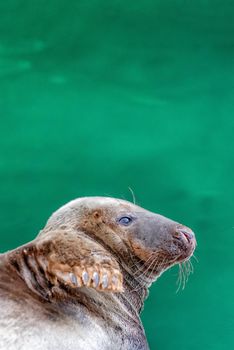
(136, 238)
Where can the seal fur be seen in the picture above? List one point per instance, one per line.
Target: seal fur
(81, 283)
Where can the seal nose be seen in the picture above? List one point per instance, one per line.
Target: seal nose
(186, 232)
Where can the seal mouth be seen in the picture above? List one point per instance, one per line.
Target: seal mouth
(184, 240)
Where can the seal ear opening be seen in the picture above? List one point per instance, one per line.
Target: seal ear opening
(96, 214)
(73, 259)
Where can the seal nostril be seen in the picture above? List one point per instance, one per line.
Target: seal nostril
(186, 232)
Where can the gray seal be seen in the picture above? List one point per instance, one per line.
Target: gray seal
(81, 283)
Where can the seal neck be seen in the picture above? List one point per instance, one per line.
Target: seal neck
(134, 293)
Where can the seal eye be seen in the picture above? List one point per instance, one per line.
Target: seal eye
(125, 220)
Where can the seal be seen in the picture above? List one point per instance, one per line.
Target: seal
(81, 283)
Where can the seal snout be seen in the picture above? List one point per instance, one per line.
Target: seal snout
(185, 240)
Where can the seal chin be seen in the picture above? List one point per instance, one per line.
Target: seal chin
(185, 242)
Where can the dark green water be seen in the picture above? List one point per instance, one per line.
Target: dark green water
(96, 96)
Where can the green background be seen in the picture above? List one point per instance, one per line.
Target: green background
(96, 96)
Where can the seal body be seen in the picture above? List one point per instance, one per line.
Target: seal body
(81, 283)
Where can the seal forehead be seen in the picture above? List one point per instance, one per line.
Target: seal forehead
(74, 209)
(96, 202)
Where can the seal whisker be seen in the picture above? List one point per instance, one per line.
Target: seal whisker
(191, 265)
(179, 279)
(183, 276)
(189, 268)
(134, 262)
(152, 263)
(195, 258)
(133, 195)
(157, 265)
(153, 269)
(187, 271)
(141, 268)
